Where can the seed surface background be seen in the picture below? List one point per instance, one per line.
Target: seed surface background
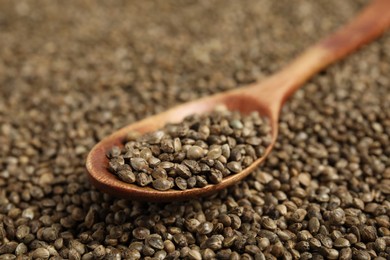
(72, 72)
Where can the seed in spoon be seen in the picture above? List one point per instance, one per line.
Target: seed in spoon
(126, 176)
(195, 152)
(234, 166)
(200, 150)
(162, 184)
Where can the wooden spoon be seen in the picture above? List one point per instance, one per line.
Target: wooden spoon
(267, 97)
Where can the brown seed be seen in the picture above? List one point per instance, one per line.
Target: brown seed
(236, 124)
(298, 215)
(225, 219)
(126, 176)
(214, 153)
(162, 184)
(204, 168)
(345, 253)
(336, 234)
(304, 235)
(215, 176)
(195, 153)
(325, 240)
(159, 173)
(73, 254)
(205, 228)
(225, 149)
(191, 182)
(337, 216)
(183, 171)
(351, 238)
(268, 223)
(155, 241)
(341, 242)
(177, 144)
(219, 166)
(167, 146)
(192, 165)
(314, 225)
(41, 253)
(115, 163)
(303, 246)
(368, 233)
(160, 255)
(49, 234)
(181, 183)
(284, 235)
(114, 152)
(330, 253)
(136, 246)
(143, 179)
(314, 243)
(263, 243)
(181, 240)
(78, 246)
(194, 255)
(360, 254)
(21, 249)
(235, 256)
(99, 252)
(155, 137)
(277, 249)
(58, 243)
(214, 243)
(201, 181)
(146, 153)
(132, 136)
(252, 249)
(304, 179)
(167, 165)
(148, 250)
(380, 244)
(234, 166)
(8, 247)
(153, 161)
(307, 255)
(235, 220)
(130, 153)
(229, 241)
(192, 224)
(169, 246)
(138, 164)
(155, 150)
(141, 233)
(254, 141)
(22, 231)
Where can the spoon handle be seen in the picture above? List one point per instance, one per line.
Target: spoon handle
(367, 26)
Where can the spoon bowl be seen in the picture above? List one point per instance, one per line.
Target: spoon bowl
(104, 180)
(266, 97)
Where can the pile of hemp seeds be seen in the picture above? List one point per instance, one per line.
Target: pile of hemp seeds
(71, 73)
(201, 149)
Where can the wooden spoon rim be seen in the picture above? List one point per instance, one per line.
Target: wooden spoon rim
(97, 161)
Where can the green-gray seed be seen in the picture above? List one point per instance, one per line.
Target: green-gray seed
(138, 164)
(195, 152)
(181, 183)
(162, 184)
(234, 166)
